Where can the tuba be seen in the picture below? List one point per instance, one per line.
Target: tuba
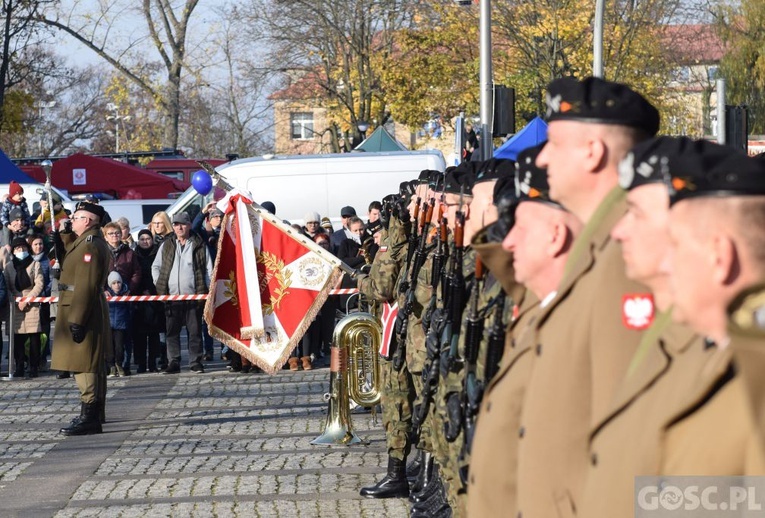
(360, 335)
(354, 373)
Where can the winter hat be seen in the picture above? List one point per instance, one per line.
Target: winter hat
(14, 188)
(145, 231)
(113, 277)
(311, 217)
(326, 223)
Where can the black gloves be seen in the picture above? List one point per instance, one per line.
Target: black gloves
(78, 333)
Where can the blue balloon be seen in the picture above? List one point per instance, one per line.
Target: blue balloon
(202, 182)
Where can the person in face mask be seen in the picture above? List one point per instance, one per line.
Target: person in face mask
(23, 278)
(37, 247)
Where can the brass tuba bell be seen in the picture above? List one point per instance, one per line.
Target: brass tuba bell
(354, 372)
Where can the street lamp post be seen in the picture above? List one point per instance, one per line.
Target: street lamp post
(116, 118)
(41, 106)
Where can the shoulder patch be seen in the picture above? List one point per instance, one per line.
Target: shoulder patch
(637, 311)
(382, 249)
(87, 258)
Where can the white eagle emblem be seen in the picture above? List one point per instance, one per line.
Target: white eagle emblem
(637, 311)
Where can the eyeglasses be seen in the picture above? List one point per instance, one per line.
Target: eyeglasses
(114, 233)
(216, 216)
(75, 218)
(177, 224)
(311, 222)
(157, 222)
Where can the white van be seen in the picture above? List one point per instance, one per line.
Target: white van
(320, 183)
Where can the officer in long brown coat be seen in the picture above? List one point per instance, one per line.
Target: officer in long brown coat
(587, 334)
(82, 324)
(540, 242)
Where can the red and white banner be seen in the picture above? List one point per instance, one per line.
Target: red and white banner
(267, 286)
(388, 320)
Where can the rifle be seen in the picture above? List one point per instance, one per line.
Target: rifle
(440, 257)
(496, 345)
(402, 319)
(442, 334)
(456, 299)
(412, 242)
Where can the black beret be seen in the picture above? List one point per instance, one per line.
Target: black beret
(652, 160)
(406, 188)
(436, 180)
(531, 181)
(92, 208)
(599, 101)
(460, 179)
(708, 169)
(424, 176)
(493, 169)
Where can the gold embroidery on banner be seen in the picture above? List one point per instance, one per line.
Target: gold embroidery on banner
(229, 289)
(274, 268)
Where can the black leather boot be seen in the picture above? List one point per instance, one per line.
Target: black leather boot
(393, 485)
(423, 479)
(436, 505)
(88, 422)
(413, 468)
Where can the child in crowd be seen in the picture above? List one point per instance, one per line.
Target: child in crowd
(14, 200)
(119, 316)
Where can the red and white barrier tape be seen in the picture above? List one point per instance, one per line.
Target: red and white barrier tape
(162, 298)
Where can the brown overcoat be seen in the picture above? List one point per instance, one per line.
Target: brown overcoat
(84, 272)
(583, 346)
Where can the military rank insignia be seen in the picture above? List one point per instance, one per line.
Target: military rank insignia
(87, 258)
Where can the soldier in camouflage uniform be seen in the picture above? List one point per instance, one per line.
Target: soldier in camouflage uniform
(451, 397)
(398, 391)
(416, 352)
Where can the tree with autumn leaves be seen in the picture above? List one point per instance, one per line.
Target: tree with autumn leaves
(742, 30)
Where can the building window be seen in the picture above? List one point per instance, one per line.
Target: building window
(712, 73)
(302, 125)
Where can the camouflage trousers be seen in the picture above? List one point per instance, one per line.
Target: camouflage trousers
(426, 429)
(397, 405)
(447, 453)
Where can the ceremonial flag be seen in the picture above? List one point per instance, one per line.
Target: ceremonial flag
(268, 284)
(388, 320)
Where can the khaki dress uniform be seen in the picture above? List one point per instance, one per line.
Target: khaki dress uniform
(746, 329)
(654, 426)
(81, 301)
(492, 482)
(583, 347)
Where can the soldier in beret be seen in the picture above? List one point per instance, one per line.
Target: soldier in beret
(540, 242)
(656, 409)
(82, 326)
(717, 241)
(587, 333)
(479, 211)
(416, 352)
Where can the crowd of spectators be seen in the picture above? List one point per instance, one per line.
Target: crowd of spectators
(167, 258)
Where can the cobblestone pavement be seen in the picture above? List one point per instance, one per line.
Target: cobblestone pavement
(216, 444)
